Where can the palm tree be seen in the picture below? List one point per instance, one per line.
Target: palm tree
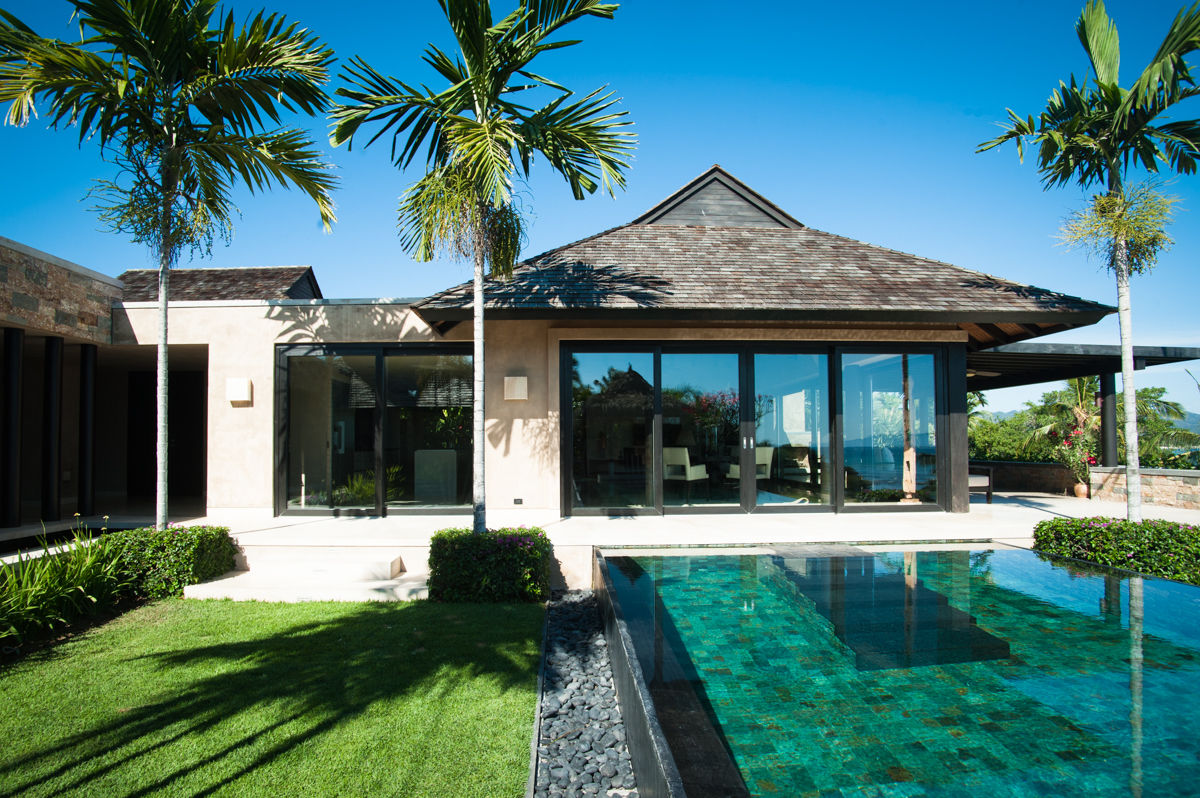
(1093, 134)
(477, 139)
(178, 105)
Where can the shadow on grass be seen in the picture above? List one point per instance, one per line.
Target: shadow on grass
(223, 709)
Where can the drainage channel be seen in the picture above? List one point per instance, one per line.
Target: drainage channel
(580, 738)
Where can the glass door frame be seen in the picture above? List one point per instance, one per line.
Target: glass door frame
(746, 350)
(283, 352)
(941, 425)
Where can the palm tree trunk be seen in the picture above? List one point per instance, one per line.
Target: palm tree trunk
(1133, 479)
(160, 487)
(478, 496)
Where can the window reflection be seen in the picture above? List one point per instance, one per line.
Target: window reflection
(791, 414)
(612, 403)
(331, 444)
(889, 422)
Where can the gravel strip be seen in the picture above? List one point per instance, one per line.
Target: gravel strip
(581, 746)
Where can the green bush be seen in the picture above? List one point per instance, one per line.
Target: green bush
(498, 565)
(1153, 547)
(67, 581)
(162, 562)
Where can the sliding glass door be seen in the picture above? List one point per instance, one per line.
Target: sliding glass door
(889, 411)
(612, 417)
(677, 428)
(701, 429)
(365, 430)
(791, 429)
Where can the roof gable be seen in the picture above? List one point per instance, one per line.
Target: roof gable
(718, 199)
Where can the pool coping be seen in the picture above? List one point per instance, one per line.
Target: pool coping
(653, 763)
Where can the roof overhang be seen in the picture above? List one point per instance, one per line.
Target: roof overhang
(1028, 364)
(1019, 325)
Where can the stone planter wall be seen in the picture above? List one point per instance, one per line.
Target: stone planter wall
(1170, 487)
(1033, 477)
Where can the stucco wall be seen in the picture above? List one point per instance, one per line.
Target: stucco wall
(241, 339)
(523, 436)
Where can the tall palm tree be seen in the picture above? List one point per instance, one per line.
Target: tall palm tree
(1093, 134)
(178, 104)
(477, 140)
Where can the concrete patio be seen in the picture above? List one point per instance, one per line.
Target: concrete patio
(385, 559)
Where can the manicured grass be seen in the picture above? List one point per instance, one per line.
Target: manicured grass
(198, 698)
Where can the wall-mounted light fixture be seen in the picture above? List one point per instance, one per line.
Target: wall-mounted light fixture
(516, 388)
(239, 391)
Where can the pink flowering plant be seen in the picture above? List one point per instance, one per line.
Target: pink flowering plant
(1155, 547)
(1077, 452)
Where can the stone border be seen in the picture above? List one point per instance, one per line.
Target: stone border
(537, 711)
(653, 764)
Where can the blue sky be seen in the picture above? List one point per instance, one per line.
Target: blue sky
(858, 120)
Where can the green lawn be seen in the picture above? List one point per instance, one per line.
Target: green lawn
(197, 698)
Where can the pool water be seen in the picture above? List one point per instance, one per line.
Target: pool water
(939, 673)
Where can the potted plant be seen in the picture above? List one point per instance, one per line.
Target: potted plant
(1075, 452)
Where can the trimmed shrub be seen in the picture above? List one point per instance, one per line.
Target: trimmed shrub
(162, 562)
(1153, 547)
(498, 565)
(70, 579)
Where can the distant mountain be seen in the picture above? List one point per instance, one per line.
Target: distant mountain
(1190, 421)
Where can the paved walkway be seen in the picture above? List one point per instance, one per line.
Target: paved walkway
(380, 559)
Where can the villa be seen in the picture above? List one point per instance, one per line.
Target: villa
(714, 354)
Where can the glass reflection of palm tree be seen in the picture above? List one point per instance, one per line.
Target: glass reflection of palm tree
(910, 453)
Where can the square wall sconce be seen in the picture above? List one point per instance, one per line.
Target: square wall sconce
(239, 391)
(516, 388)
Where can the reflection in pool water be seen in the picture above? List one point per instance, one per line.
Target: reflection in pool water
(938, 673)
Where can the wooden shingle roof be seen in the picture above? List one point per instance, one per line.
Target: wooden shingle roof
(716, 250)
(210, 285)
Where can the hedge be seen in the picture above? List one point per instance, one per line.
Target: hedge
(162, 562)
(1154, 547)
(494, 566)
(89, 575)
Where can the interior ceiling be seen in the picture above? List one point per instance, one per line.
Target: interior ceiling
(1028, 364)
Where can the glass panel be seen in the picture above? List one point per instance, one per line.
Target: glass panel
(701, 429)
(791, 413)
(427, 430)
(889, 420)
(612, 404)
(331, 432)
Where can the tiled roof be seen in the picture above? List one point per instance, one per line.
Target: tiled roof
(717, 271)
(259, 282)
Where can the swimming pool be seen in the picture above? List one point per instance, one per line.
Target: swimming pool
(836, 671)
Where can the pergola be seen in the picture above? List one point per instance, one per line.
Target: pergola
(1028, 364)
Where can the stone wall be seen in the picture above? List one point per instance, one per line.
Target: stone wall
(48, 295)
(1169, 487)
(1034, 477)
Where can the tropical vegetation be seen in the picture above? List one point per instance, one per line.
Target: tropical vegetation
(1039, 431)
(1154, 547)
(247, 698)
(511, 564)
(186, 106)
(90, 575)
(1093, 132)
(477, 136)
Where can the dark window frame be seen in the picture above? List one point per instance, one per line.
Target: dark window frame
(746, 349)
(380, 351)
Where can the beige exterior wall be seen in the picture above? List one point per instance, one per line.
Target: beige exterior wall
(241, 339)
(523, 435)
